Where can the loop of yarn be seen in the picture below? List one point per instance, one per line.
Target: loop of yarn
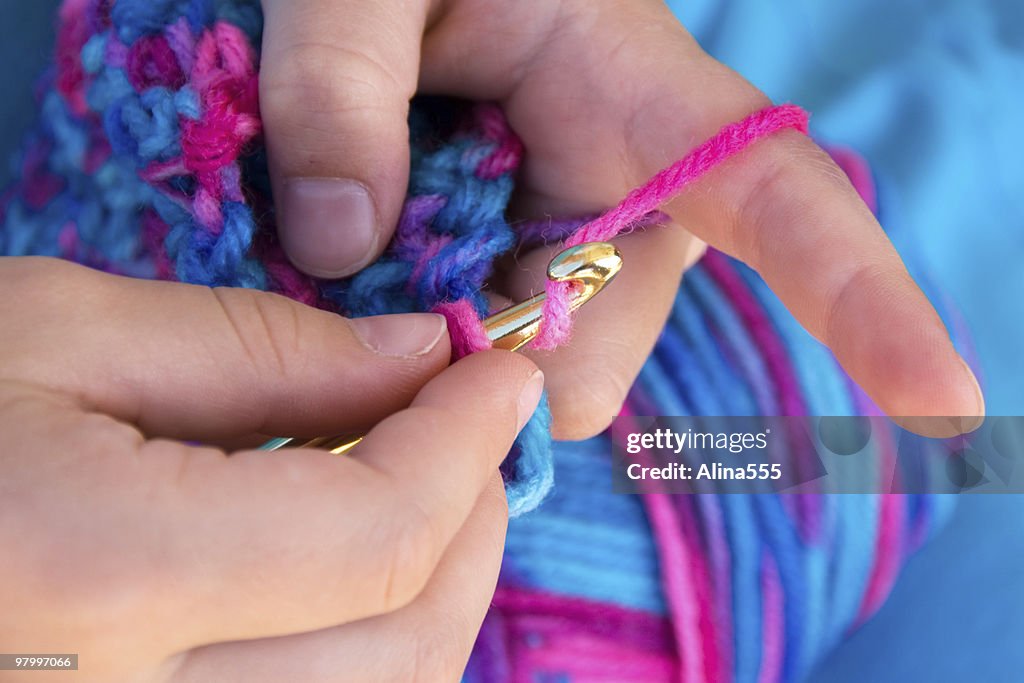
(148, 161)
(729, 141)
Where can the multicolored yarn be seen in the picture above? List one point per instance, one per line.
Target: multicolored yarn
(148, 162)
(604, 587)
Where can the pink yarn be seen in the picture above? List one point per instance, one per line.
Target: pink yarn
(225, 77)
(668, 183)
(682, 585)
(71, 38)
(509, 150)
(151, 62)
(773, 622)
(719, 567)
(597, 642)
(464, 327)
(678, 586)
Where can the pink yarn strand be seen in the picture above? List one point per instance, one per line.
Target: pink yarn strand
(773, 622)
(464, 327)
(729, 141)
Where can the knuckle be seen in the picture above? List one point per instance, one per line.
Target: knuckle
(102, 438)
(757, 207)
(772, 197)
(411, 549)
(266, 328)
(320, 79)
(868, 292)
(860, 282)
(439, 427)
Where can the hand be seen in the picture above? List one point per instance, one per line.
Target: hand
(604, 94)
(160, 561)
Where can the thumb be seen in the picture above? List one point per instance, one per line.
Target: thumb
(197, 363)
(335, 85)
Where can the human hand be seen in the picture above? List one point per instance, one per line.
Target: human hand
(603, 95)
(160, 561)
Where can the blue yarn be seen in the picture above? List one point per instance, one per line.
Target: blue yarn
(745, 545)
(567, 544)
(217, 260)
(729, 395)
(70, 142)
(527, 465)
(825, 393)
(109, 88)
(186, 102)
(734, 341)
(658, 388)
(92, 53)
(377, 290)
(136, 18)
(853, 554)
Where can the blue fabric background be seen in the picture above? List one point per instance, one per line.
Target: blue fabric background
(932, 93)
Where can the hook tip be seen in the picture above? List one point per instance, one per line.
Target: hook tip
(595, 263)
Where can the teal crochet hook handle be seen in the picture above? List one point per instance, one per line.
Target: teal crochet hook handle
(591, 266)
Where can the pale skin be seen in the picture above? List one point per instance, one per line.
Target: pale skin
(159, 560)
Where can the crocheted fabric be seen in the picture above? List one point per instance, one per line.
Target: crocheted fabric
(147, 161)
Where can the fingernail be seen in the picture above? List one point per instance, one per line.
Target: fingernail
(405, 334)
(329, 225)
(973, 421)
(529, 397)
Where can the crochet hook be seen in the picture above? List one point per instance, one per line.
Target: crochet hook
(590, 266)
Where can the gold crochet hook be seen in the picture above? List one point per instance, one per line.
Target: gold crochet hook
(590, 266)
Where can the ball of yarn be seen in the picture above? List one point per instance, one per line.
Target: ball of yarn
(148, 161)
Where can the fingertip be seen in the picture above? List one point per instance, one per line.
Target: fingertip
(961, 408)
(929, 390)
(334, 99)
(529, 398)
(585, 410)
(973, 418)
(500, 367)
(503, 385)
(329, 227)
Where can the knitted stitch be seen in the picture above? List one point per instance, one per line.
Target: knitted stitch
(148, 161)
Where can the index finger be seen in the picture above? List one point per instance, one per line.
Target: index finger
(789, 212)
(633, 92)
